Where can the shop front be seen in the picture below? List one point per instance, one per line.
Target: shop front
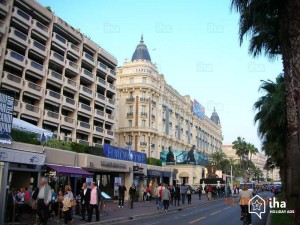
(154, 177)
(166, 177)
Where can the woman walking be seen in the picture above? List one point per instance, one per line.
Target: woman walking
(132, 191)
(67, 204)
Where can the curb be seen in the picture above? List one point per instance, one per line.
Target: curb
(268, 219)
(146, 215)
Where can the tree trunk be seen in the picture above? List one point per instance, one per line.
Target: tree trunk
(291, 64)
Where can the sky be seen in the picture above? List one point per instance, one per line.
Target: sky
(194, 44)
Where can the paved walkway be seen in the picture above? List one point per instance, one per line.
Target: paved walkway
(112, 213)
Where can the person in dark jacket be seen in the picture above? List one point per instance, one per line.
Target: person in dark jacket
(177, 195)
(122, 191)
(132, 191)
(85, 195)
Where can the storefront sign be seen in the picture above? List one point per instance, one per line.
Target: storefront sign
(113, 165)
(166, 174)
(114, 152)
(138, 170)
(6, 117)
(8, 155)
(154, 173)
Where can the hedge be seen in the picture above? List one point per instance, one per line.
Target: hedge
(24, 137)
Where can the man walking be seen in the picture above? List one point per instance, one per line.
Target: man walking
(85, 195)
(43, 200)
(183, 191)
(94, 202)
(166, 195)
(132, 191)
(122, 190)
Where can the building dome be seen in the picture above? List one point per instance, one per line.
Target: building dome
(215, 117)
(141, 52)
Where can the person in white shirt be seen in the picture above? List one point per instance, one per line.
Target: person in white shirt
(43, 200)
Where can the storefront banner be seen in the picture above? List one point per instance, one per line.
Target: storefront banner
(7, 155)
(6, 118)
(114, 152)
(154, 173)
(183, 157)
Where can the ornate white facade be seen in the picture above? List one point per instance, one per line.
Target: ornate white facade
(152, 115)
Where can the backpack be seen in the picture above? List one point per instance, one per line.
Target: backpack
(188, 192)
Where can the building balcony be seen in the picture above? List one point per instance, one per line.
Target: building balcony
(18, 38)
(102, 67)
(86, 127)
(112, 73)
(69, 30)
(99, 114)
(52, 117)
(143, 144)
(59, 41)
(69, 103)
(40, 30)
(85, 109)
(110, 102)
(37, 48)
(100, 98)
(88, 59)
(129, 114)
(85, 92)
(107, 56)
(35, 69)
(153, 116)
(87, 75)
(33, 90)
(83, 142)
(15, 60)
(110, 118)
(53, 96)
(144, 114)
(21, 18)
(143, 99)
(111, 87)
(12, 80)
(98, 131)
(72, 67)
(67, 122)
(153, 102)
(4, 8)
(54, 77)
(109, 133)
(3, 27)
(17, 106)
(70, 85)
(30, 111)
(73, 50)
(130, 100)
(57, 58)
(101, 82)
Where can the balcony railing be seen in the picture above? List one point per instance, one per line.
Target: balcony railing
(129, 114)
(86, 107)
(143, 144)
(144, 114)
(129, 100)
(110, 132)
(143, 99)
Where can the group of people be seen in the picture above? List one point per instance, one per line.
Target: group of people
(215, 191)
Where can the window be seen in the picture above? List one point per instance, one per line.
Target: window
(143, 108)
(144, 80)
(130, 123)
(143, 123)
(143, 94)
(131, 80)
(130, 108)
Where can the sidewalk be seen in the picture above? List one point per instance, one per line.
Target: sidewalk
(112, 213)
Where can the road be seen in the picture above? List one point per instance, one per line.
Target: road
(216, 213)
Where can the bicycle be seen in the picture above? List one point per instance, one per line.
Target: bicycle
(245, 216)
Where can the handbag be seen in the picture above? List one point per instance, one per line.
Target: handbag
(73, 203)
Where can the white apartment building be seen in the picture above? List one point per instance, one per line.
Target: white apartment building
(62, 81)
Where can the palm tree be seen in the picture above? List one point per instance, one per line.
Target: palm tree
(252, 150)
(273, 28)
(240, 145)
(272, 123)
(217, 158)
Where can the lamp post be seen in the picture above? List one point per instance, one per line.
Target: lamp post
(231, 183)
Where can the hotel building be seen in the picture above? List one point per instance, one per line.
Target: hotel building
(152, 115)
(62, 81)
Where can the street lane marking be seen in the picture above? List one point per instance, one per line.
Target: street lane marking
(215, 213)
(227, 207)
(201, 218)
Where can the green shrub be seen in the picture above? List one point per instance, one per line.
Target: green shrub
(154, 161)
(64, 145)
(24, 137)
(98, 151)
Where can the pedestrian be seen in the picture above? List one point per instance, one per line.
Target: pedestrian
(156, 194)
(132, 191)
(199, 191)
(122, 191)
(43, 200)
(144, 193)
(183, 190)
(177, 195)
(67, 204)
(85, 195)
(209, 192)
(189, 194)
(11, 204)
(166, 195)
(159, 194)
(172, 192)
(148, 194)
(94, 202)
